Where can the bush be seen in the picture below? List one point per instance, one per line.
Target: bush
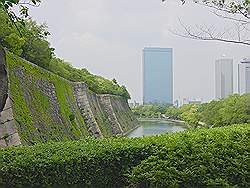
(197, 158)
(209, 158)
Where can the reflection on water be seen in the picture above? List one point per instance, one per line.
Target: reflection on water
(148, 128)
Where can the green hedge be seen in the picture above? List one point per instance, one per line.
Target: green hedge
(199, 158)
(208, 159)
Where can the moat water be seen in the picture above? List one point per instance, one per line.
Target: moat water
(149, 128)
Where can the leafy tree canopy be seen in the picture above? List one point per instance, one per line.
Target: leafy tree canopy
(232, 110)
(23, 5)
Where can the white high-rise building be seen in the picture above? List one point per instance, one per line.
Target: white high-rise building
(223, 78)
(244, 77)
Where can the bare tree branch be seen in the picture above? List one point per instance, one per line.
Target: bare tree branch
(234, 11)
(210, 34)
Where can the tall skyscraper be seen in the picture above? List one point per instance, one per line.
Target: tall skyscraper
(157, 76)
(244, 76)
(223, 78)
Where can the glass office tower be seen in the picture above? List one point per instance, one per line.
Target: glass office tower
(157, 76)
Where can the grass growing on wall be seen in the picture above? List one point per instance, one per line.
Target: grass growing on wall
(32, 109)
(21, 111)
(217, 157)
(124, 115)
(100, 115)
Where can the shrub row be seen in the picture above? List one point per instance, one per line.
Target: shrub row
(218, 157)
(203, 159)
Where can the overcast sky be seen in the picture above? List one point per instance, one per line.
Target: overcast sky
(107, 37)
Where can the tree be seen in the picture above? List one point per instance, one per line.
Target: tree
(9, 36)
(237, 13)
(22, 5)
(36, 48)
(234, 110)
(191, 116)
(210, 113)
(31, 45)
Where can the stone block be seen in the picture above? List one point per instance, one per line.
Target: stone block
(6, 115)
(8, 103)
(13, 140)
(7, 129)
(3, 143)
(10, 127)
(2, 131)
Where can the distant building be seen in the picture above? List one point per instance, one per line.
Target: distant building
(223, 78)
(244, 76)
(133, 104)
(185, 101)
(157, 76)
(195, 101)
(176, 103)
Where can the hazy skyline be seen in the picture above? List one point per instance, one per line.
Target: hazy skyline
(107, 38)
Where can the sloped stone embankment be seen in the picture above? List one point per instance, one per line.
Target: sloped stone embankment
(39, 106)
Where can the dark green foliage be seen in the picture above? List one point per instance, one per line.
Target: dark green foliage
(209, 158)
(28, 40)
(36, 48)
(72, 117)
(200, 158)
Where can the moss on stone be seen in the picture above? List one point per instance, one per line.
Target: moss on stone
(33, 109)
(43, 104)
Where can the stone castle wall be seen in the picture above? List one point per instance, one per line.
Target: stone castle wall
(47, 104)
